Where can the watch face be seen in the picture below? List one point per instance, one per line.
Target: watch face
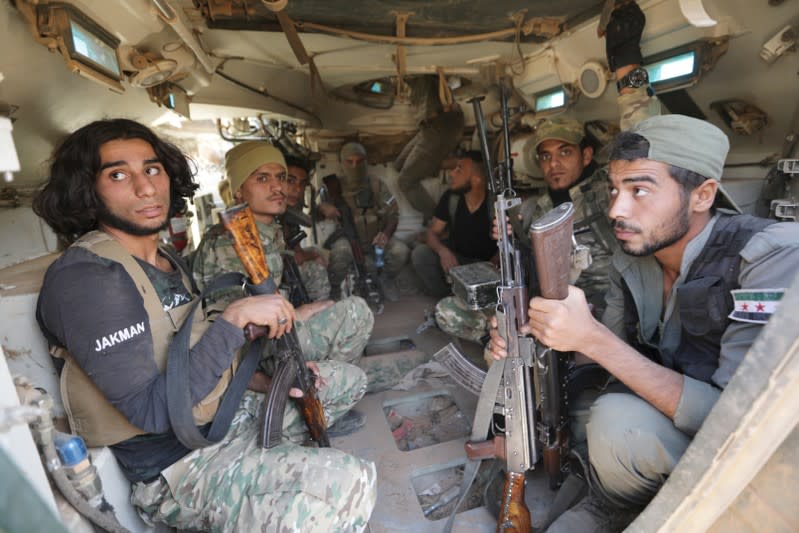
(637, 78)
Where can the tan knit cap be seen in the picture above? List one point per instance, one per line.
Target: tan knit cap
(243, 159)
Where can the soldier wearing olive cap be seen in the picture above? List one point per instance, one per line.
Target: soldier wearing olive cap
(567, 162)
(691, 287)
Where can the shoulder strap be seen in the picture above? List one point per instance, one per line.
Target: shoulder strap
(178, 389)
(103, 245)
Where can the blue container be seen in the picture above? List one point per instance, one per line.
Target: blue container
(380, 260)
(70, 448)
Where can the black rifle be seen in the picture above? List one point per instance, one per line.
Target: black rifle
(290, 368)
(292, 282)
(363, 283)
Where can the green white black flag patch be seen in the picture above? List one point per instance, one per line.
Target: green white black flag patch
(755, 306)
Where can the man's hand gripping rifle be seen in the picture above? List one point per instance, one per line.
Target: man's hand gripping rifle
(517, 446)
(522, 391)
(290, 370)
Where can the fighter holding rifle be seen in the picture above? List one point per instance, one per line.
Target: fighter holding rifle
(522, 390)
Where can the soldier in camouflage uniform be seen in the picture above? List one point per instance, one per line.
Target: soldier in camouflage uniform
(202, 491)
(311, 263)
(571, 174)
(326, 330)
(362, 197)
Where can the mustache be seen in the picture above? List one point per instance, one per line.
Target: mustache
(624, 226)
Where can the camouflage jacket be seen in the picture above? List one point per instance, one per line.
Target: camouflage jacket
(383, 207)
(216, 255)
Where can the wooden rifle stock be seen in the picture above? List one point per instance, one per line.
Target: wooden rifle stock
(512, 507)
(290, 369)
(551, 236)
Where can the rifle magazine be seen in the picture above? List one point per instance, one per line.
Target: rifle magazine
(275, 405)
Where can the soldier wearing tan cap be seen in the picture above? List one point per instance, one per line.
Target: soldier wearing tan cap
(256, 173)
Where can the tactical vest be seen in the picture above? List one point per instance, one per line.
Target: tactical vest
(90, 414)
(704, 299)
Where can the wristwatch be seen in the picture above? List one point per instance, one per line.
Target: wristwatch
(637, 77)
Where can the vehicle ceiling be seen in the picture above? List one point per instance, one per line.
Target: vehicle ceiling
(52, 101)
(427, 18)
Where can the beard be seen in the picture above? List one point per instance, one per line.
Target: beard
(663, 237)
(354, 177)
(114, 221)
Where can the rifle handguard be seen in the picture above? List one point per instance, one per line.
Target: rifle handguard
(551, 236)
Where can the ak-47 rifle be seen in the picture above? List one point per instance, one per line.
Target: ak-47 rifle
(290, 370)
(363, 283)
(298, 294)
(517, 447)
(552, 237)
(525, 395)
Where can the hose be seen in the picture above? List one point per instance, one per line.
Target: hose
(102, 514)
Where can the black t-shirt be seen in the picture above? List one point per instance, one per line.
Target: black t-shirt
(469, 233)
(84, 304)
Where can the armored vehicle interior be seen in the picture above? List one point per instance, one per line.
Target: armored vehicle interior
(311, 75)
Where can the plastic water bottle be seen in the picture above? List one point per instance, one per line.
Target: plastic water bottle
(380, 260)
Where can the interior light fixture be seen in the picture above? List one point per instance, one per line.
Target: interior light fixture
(682, 67)
(674, 67)
(88, 49)
(552, 99)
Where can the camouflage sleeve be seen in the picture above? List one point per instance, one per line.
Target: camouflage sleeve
(214, 256)
(636, 106)
(274, 244)
(388, 210)
(530, 210)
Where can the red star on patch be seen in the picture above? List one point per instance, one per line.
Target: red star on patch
(760, 307)
(745, 307)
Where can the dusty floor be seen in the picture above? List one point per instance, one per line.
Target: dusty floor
(415, 432)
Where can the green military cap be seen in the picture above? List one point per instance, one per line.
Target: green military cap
(689, 143)
(563, 129)
(243, 159)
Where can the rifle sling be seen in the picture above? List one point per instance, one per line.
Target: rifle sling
(178, 389)
(482, 423)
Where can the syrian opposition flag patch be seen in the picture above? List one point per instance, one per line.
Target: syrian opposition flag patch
(757, 306)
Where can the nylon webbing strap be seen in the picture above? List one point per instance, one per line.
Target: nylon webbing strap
(178, 388)
(482, 423)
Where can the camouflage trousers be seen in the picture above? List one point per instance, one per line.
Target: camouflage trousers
(314, 277)
(453, 317)
(341, 260)
(236, 485)
(340, 332)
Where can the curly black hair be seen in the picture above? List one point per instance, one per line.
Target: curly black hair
(68, 202)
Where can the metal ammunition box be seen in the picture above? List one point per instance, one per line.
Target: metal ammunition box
(476, 284)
